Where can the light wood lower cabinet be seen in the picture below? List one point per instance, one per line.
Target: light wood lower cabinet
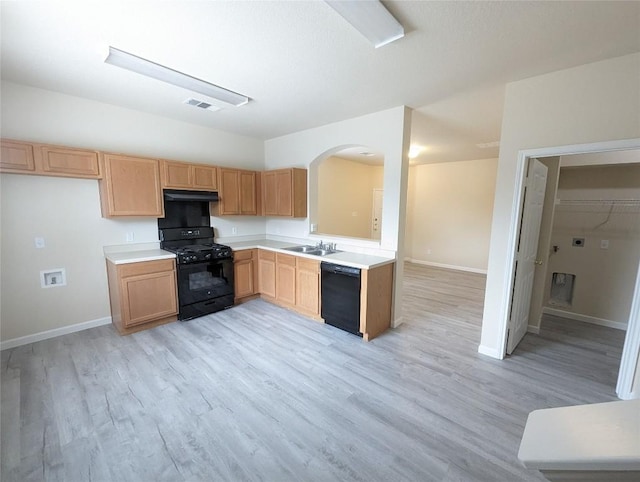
(308, 286)
(142, 294)
(245, 265)
(376, 297)
(286, 279)
(267, 273)
(290, 281)
(131, 187)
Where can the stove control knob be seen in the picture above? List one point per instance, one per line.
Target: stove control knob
(207, 256)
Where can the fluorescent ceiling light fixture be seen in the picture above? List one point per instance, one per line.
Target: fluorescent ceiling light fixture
(136, 64)
(370, 18)
(414, 151)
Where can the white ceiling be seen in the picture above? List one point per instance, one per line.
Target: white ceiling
(304, 66)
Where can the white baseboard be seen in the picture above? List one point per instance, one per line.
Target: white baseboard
(45, 335)
(533, 329)
(587, 319)
(397, 322)
(447, 266)
(492, 352)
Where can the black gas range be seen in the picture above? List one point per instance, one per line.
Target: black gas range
(205, 270)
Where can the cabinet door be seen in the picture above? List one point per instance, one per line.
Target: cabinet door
(176, 175)
(205, 177)
(148, 297)
(131, 187)
(286, 279)
(229, 192)
(244, 275)
(267, 273)
(69, 162)
(308, 286)
(284, 194)
(270, 191)
(16, 157)
(248, 203)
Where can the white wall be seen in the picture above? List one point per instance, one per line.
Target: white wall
(605, 278)
(386, 132)
(449, 211)
(345, 197)
(592, 103)
(66, 212)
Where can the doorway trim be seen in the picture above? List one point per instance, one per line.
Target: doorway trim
(631, 351)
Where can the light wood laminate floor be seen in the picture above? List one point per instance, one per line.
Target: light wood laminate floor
(259, 393)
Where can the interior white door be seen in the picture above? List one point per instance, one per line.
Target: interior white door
(376, 217)
(527, 251)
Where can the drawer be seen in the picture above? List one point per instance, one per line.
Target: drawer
(307, 264)
(146, 267)
(266, 255)
(243, 255)
(286, 259)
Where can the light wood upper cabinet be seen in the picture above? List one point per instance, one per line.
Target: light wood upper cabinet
(284, 192)
(308, 286)
(131, 187)
(204, 177)
(245, 263)
(47, 160)
(65, 161)
(181, 175)
(237, 192)
(142, 293)
(16, 157)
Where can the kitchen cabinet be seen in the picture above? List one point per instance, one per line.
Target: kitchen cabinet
(131, 187)
(267, 273)
(238, 192)
(17, 157)
(142, 294)
(376, 296)
(47, 160)
(286, 279)
(284, 192)
(245, 265)
(308, 286)
(182, 175)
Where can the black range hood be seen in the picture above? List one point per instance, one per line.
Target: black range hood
(178, 195)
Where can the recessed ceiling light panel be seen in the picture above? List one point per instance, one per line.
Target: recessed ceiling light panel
(136, 64)
(370, 18)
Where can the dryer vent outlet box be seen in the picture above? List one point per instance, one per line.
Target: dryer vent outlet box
(53, 278)
(578, 242)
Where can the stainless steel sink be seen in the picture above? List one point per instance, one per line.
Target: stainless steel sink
(313, 250)
(302, 249)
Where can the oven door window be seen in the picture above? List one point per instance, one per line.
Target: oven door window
(202, 281)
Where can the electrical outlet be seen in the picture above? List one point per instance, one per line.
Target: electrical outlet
(428, 250)
(234, 230)
(39, 242)
(314, 227)
(604, 244)
(130, 237)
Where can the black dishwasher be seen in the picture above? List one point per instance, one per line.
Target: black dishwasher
(340, 290)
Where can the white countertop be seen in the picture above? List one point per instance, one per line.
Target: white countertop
(345, 258)
(124, 257)
(602, 436)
